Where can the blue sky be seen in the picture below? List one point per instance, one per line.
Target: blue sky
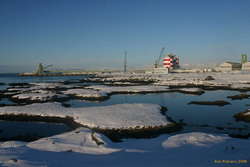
(95, 33)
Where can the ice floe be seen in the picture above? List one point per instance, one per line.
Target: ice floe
(194, 138)
(130, 89)
(79, 147)
(119, 116)
(86, 93)
(81, 140)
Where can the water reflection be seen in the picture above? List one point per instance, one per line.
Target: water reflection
(28, 131)
(178, 108)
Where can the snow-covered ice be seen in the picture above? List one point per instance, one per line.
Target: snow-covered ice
(77, 149)
(195, 139)
(191, 90)
(121, 116)
(85, 93)
(42, 97)
(81, 140)
(129, 89)
(105, 117)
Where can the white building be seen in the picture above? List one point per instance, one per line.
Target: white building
(229, 66)
(246, 66)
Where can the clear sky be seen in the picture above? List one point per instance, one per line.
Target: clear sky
(95, 33)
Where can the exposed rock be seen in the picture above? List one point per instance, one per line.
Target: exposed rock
(20, 84)
(217, 103)
(239, 97)
(243, 116)
(209, 78)
(194, 91)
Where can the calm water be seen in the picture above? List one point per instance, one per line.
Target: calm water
(14, 129)
(14, 78)
(178, 108)
(194, 116)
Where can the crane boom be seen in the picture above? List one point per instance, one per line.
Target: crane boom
(48, 66)
(157, 62)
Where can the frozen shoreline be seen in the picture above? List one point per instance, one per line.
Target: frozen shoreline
(92, 149)
(89, 147)
(121, 116)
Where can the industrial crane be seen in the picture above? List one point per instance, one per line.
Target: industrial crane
(157, 62)
(41, 69)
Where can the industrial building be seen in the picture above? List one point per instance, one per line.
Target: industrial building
(245, 63)
(165, 63)
(246, 66)
(229, 66)
(171, 61)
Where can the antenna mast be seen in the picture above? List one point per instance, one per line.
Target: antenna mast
(125, 61)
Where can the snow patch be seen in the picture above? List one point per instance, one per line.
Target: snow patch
(85, 93)
(194, 139)
(81, 140)
(119, 116)
(12, 144)
(129, 89)
(35, 96)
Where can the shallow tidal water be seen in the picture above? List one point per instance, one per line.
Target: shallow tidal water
(197, 117)
(10, 130)
(202, 118)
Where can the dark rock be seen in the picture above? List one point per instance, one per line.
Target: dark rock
(217, 103)
(20, 84)
(220, 128)
(164, 110)
(98, 142)
(239, 97)
(242, 116)
(25, 138)
(69, 121)
(209, 78)
(66, 105)
(240, 136)
(147, 132)
(14, 160)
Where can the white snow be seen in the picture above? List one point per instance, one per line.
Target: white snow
(121, 116)
(121, 77)
(85, 93)
(195, 149)
(81, 140)
(195, 139)
(44, 85)
(233, 80)
(34, 96)
(190, 90)
(247, 113)
(129, 89)
(108, 117)
(45, 109)
(40, 87)
(11, 144)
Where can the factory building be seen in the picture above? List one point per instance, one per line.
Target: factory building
(171, 61)
(245, 63)
(229, 66)
(246, 66)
